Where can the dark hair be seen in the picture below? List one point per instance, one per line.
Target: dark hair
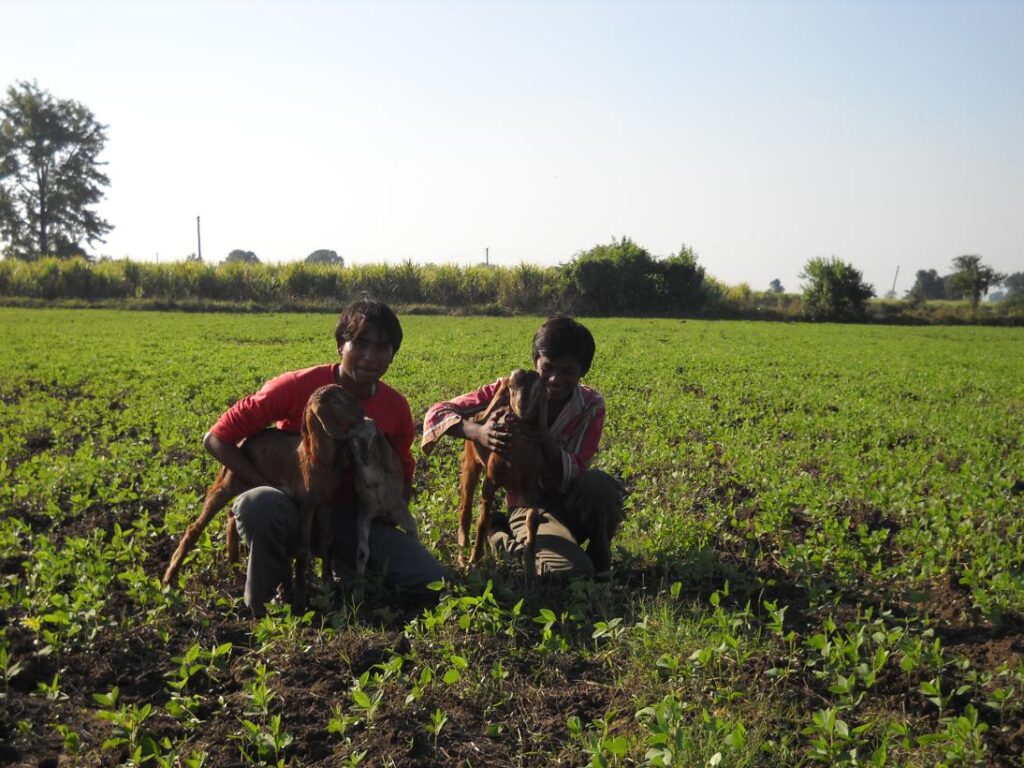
(368, 313)
(561, 336)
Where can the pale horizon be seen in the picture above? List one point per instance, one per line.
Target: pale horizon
(759, 134)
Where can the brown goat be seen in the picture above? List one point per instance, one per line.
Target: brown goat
(305, 467)
(379, 490)
(521, 398)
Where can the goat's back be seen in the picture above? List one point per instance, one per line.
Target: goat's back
(275, 455)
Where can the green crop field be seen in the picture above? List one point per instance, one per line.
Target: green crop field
(822, 561)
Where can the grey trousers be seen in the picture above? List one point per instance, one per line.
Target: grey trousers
(268, 522)
(591, 512)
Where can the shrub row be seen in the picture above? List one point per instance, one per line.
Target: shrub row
(524, 288)
(626, 283)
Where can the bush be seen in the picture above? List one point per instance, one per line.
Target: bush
(622, 278)
(835, 290)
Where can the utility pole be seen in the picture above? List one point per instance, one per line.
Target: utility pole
(892, 292)
(487, 257)
(199, 241)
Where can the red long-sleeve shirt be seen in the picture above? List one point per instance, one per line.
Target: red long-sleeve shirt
(282, 400)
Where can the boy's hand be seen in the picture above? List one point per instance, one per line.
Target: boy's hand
(493, 434)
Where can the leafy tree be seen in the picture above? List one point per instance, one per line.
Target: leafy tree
(775, 286)
(49, 174)
(955, 291)
(615, 278)
(973, 278)
(684, 279)
(928, 285)
(624, 278)
(324, 256)
(245, 257)
(835, 290)
(1014, 284)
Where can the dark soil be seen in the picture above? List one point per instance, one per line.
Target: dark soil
(520, 722)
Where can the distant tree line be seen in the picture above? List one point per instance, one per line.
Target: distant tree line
(50, 177)
(617, 278)
(970, 280)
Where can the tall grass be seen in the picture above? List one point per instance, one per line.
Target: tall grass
(525, 288)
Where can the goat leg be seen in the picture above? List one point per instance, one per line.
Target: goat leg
(471, 469)
(231, 539)
(533, 515)
(221, 492)
(363, 524)
(323, 527)
(302, 557)
(487, 498)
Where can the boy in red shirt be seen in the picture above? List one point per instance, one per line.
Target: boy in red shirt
(368, 335)
(582, 504)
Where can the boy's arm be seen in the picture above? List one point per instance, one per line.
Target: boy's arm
(244, 419)
(232, 457)
(451, 417)
(401, 442)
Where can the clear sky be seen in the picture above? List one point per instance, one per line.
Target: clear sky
(761, 134)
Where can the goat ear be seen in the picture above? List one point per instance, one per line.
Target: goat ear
(540, 398)
(319, 444)
(498, 399)
(376, 449)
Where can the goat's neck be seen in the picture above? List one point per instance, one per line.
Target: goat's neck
(317, 453)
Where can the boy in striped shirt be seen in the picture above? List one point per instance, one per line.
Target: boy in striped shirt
(582, 505)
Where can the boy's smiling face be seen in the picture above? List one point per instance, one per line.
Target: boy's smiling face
(561, 376)
(365, 359)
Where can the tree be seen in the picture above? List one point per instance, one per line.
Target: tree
(624, 278)
(49, 174)
(835, 290)
(775, 286)
(324, 256)
(245, 257)
(1014, 284)
(684, 279)
(616, 278)
(927, 286)
(973, 278)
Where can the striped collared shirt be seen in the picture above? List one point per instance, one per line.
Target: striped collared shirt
(577, 428)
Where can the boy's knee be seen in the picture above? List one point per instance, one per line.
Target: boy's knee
(579, 565)
(596, 514)
(597, 484)
(265, 511)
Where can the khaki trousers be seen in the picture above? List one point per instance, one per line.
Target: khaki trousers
(589, 513)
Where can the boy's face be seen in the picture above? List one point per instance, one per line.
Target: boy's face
(561, 376)
(366, 358)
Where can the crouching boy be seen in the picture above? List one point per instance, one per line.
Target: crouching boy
(580, 504)
(368, 336)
